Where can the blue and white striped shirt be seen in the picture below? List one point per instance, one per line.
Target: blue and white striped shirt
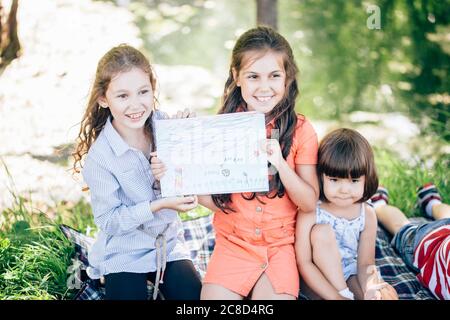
(120, 183)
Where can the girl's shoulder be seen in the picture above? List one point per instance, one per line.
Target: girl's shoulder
(94, 158)
(369, 212)
(100, 145)
(100, 152)
(97, 145)
(301, 118)
(303, 125)
(304, 132)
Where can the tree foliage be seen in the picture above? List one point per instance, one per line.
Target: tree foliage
(403, 66)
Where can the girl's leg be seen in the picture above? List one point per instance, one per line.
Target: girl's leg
(440, 211)
(216, 292)
(391, 218)
(355, 287)
(126, 286)
(326, 255)
(263, 290)
(181, 281)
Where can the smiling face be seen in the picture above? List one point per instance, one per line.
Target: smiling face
(343, 192)
(262, 80)
(130, 99)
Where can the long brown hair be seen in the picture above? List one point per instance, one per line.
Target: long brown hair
(119, 59)
(345, 153)
(263, 39)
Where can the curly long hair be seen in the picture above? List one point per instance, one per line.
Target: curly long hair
(263, 39)
(119, 59)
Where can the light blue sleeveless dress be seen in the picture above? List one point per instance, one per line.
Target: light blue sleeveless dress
(347, 235)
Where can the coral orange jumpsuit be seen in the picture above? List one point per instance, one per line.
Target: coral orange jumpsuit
(258, 237)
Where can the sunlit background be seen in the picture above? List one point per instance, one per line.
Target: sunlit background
(391, 83)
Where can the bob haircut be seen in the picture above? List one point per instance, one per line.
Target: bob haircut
(345, 153)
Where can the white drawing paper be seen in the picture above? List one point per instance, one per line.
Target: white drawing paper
(212, 154)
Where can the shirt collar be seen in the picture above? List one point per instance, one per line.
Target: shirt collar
(116, 142)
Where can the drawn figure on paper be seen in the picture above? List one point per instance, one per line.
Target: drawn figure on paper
(178, 178)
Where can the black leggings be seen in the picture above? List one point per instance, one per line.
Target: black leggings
(181, 282)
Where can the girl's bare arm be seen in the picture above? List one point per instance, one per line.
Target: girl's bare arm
(366, 247)
(301, 185)
(206, 201)
(303, 251)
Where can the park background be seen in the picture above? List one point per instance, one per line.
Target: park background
(380, 67)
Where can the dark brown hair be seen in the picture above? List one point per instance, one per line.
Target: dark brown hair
(119, 59)
(345, 153)
(263, 39)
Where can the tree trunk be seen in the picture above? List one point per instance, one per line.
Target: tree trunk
(266, 13)
(10, 45)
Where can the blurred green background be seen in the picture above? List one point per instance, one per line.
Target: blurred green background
(345, 66)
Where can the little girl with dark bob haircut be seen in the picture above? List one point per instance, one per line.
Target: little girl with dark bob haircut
(335, 245)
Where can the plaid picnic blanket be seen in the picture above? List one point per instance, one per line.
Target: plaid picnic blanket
(394, 271)
(200, 239)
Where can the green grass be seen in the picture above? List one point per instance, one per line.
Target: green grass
(198, 212)
(35, 255)
(402, 178)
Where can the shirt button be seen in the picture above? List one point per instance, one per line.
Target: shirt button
(258, 209)
(257, 231)
(264, 265)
